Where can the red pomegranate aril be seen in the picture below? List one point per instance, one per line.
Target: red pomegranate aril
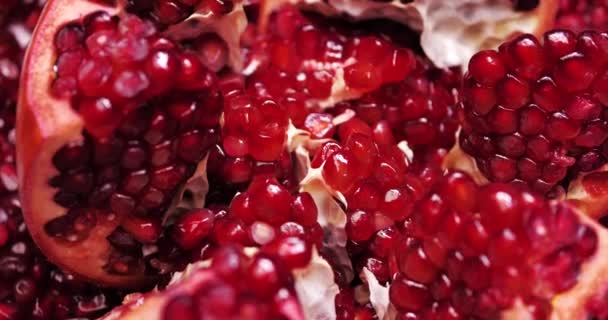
(169, 11)
(487, 68)
(192, 228)
(409, 295)
(93, 76)
(304, 209)
(293, 251)
(100, 116)
(340, 172)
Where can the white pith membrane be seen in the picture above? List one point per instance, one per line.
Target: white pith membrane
(451, 31)
(314, 286)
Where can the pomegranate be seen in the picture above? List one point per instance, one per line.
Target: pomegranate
(291, 168)
(406, 94)
(114, 144)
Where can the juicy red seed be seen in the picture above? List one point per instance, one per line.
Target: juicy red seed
(294, 252)
(169, 11)
(191, 228)
(360, 226)
(487, 67)
(270, 201)
(304, 209)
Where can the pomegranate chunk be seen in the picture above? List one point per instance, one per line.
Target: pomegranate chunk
(480, 251)
(533, 109)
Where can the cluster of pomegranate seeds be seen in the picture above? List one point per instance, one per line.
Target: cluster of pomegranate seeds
(471, 252)
(237, 286)
(267, 212)
(534, 111)
(379, 188)
(150, 112)
(401, 90)
(302, 76)
(31, 288)
(253, 140)
(577, 15)
(255, 128)
(421, 109)
(264, 215)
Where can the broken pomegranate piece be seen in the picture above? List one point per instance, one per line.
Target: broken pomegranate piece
(533, 110)
(450, 32)
(495, 250)
(236, 283)
(128, 114)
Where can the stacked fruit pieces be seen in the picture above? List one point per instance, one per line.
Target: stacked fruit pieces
(268, 161)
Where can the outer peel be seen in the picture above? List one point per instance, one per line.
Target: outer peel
(451, 31)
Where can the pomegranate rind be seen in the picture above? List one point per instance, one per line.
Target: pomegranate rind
(451, 31)
(44, 125)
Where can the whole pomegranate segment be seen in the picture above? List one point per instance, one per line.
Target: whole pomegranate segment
(496, 250)
(107, 142)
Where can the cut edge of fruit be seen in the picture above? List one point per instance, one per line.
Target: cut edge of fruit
(465, 35)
